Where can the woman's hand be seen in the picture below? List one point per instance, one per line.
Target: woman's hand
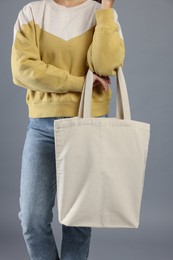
(107, 3)
(103, 80)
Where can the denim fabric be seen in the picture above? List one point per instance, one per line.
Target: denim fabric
(37, 198)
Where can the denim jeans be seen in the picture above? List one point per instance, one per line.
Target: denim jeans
(37, 198)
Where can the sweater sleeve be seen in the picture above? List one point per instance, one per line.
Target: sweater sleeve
(107, 50)
(28, 70)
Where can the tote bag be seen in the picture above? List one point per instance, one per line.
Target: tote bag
(100, 163)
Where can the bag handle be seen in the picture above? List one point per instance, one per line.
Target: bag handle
(122, 100)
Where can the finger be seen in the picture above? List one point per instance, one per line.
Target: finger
(103, 80)
(105, 89)
(104, 83)
(96, 83)
(107, 79)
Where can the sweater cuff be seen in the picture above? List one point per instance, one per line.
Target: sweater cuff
(106, 17)
(75, 83)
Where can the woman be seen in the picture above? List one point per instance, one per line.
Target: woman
(55, 42)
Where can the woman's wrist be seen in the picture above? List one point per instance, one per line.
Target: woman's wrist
(107, 4)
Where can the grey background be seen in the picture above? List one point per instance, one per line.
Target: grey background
(148, 69)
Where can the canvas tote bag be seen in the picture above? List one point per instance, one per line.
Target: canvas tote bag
(100, 163)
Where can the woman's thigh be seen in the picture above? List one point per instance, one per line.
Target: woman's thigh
(38, 169)
(38, 173)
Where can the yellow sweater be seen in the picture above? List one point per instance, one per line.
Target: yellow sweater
(53, 47)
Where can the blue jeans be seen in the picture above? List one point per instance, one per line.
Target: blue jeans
(37, 198)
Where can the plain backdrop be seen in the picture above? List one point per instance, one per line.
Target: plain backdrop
(147, 29)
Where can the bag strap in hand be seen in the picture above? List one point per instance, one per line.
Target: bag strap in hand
(122, 100)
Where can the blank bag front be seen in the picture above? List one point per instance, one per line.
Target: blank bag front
(101, 164)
